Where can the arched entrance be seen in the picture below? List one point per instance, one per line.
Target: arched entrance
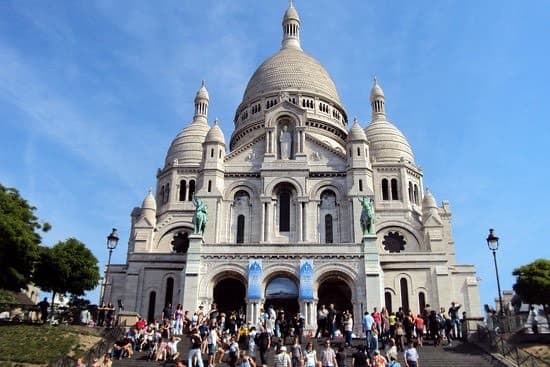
(229, 295)
(335, 291)
(282, 293)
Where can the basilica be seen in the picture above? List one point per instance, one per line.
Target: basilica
(273, 214)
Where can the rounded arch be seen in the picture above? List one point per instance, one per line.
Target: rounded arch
(229, 293)
(239, 185)
(340, 270)
(335, 287)
(280, 291)
(274, 116)
(319, 187)
(234, 271)
(280, 270)
(412, 237)
(271, 187)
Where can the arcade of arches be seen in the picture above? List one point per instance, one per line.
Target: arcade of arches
(281, 293)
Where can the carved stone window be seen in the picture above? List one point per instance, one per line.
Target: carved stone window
(394, 242)
(180, 243)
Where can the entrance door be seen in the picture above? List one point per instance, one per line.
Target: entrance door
(229, 295)
(335, 291)
(282, 294)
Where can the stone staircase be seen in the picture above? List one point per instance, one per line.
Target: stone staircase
(457, 355)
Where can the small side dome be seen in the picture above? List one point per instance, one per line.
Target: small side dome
(215, 135)
(387, 143)
(149, 202)
(356, 132)
(428, 201)
(187, 145)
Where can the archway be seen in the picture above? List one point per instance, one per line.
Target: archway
(282, 293)
(337, 292)
(229, 295)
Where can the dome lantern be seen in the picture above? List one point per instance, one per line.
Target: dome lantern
(291, 28)
(201, 104)
(377, 102)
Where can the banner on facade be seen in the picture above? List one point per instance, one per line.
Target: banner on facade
(255, 279)
(306, 279)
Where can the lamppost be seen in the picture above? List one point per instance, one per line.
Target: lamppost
(112, 242)
(492, 243)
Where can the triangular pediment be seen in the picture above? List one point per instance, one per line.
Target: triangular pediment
(432, 221)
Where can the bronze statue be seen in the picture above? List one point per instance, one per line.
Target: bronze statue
(200, 217)
(367, 215)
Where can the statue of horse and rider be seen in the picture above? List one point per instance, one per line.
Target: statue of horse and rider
(367, 215)
(200, 217)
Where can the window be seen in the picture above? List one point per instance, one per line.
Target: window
(385, 192)
(169, 291)
(404, 295)
(167, 193)
(180, 243)
(387, 299)
(183, 190)
(360, 185)
(161, 195)
(212, 153)
(151, 310)
(394, 242)
(209, 185)
(415, 193)
(191, 190)
(411, 192)
(328, 229)
(394, 192)
(421, 301)
(240, 229)
(358, 152)
(284, 211)
(220, 154)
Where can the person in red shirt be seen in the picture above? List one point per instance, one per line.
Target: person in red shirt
(140, 324)
(377, 319)
(419, 324)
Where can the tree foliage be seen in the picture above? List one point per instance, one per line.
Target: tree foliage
(67, 267)
(533, 282)
(19, 239)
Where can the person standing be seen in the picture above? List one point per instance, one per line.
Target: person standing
(282, 359)
(322, 314)
(368, 321)
(328, 356)
(264, 344)
(195, 351)
(348, 327)
(453, 314)
(43, 305)
(331, 320)
(411, 356)
(310, 356)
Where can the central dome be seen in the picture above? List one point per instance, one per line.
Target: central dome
(291, 69)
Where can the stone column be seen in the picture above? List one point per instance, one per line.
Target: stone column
(192, 273)
(374, 279)
(299, 223)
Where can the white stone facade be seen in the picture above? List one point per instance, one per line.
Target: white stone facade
(263, 205)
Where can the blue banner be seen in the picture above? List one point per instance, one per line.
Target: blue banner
(255, 277)
(306, 280)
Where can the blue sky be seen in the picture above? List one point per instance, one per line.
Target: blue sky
(93, 92)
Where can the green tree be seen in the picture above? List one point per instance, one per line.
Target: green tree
(6, 300)
(19, 239)
(533, 282)
(67, 267)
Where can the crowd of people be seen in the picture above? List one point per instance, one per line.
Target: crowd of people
(218, 337)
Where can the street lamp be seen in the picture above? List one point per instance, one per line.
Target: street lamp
(112, 242)
(492, 243)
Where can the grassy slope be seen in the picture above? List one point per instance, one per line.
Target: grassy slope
(40, 344)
